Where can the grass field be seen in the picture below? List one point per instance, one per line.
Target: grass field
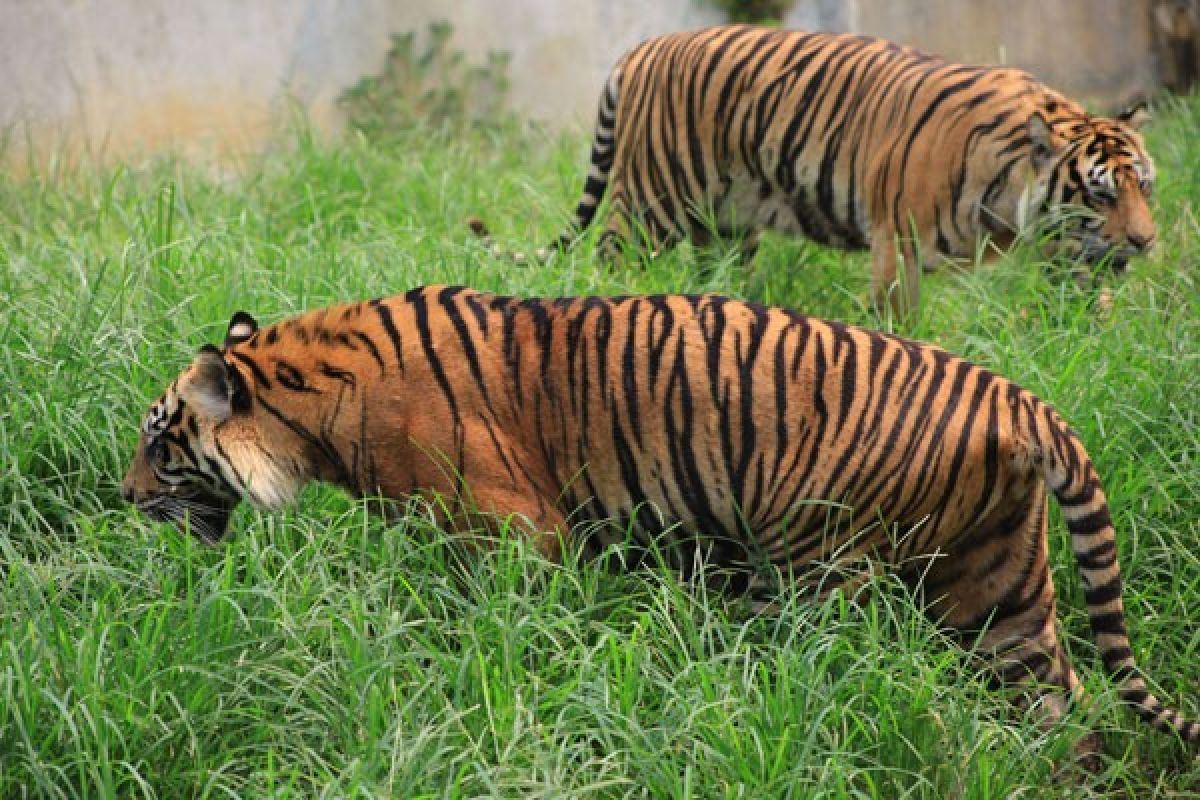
(322, 653)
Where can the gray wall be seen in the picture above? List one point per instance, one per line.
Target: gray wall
(125, 77)
(1096, 50)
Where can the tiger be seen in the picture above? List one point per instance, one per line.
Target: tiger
(858, 143)
(773, 445)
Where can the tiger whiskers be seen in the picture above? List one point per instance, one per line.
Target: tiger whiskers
(196, 514)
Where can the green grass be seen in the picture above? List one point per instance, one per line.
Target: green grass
(322, 652)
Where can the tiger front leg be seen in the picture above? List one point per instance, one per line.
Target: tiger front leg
(485, 496)
(497, 511)
(896, 266)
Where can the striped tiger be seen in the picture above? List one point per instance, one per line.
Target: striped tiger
(859, 143)
(766, 441)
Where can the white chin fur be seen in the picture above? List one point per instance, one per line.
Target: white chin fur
(269, 485)
(273, 496)
(1031, 199)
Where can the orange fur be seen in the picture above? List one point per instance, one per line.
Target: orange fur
(699, 423)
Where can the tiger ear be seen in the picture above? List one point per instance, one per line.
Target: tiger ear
(208, 385)
(1135, 115)
(1043, 138)
(241, 327)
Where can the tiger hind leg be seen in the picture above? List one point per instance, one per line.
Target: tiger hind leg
(628, 237)
(996, 595)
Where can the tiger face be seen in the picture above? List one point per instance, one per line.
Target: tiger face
(200, 444)
(1104, 176)
(172, 477)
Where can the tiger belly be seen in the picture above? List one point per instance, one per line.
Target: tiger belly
(753, 204)
(791, 526)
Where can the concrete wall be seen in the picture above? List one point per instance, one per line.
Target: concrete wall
(1095, 50)
(125, 77)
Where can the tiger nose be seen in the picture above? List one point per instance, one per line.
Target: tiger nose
(1141, 241)
(127, 493)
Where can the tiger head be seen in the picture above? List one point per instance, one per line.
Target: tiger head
(201, 448)
(1097, 171)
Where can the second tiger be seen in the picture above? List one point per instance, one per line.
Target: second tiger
(858, 143)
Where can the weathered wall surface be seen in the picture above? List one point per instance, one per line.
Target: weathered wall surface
(1096, 50)
(123, 77)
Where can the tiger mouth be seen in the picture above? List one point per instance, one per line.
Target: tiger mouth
(1102, 254)
(206, 518)
(1115, 258)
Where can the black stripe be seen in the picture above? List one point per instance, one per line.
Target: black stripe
(465, 338)
(1083, 498)
(471, 299)
(259, 375)
(965, 436)
(745, 401)
(389, 327)
(233, 490)
(688, 475)
(421, 313)
(326, 449)
(1091, 523)
(916, 373)
(656, 346)
(991, 457)
(291, 378)
(1102, 556)
(1108, 623)
(362, 337)
(338, 374)
(1101, 595)
(926, 471)
(629, 371)
(1113, 657)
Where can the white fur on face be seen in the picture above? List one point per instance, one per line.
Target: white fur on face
(266, 481)
(157, 417)
(1033, 195)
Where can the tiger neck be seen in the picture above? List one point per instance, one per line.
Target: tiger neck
(333, 438)
(268, 478)
(316, 382)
